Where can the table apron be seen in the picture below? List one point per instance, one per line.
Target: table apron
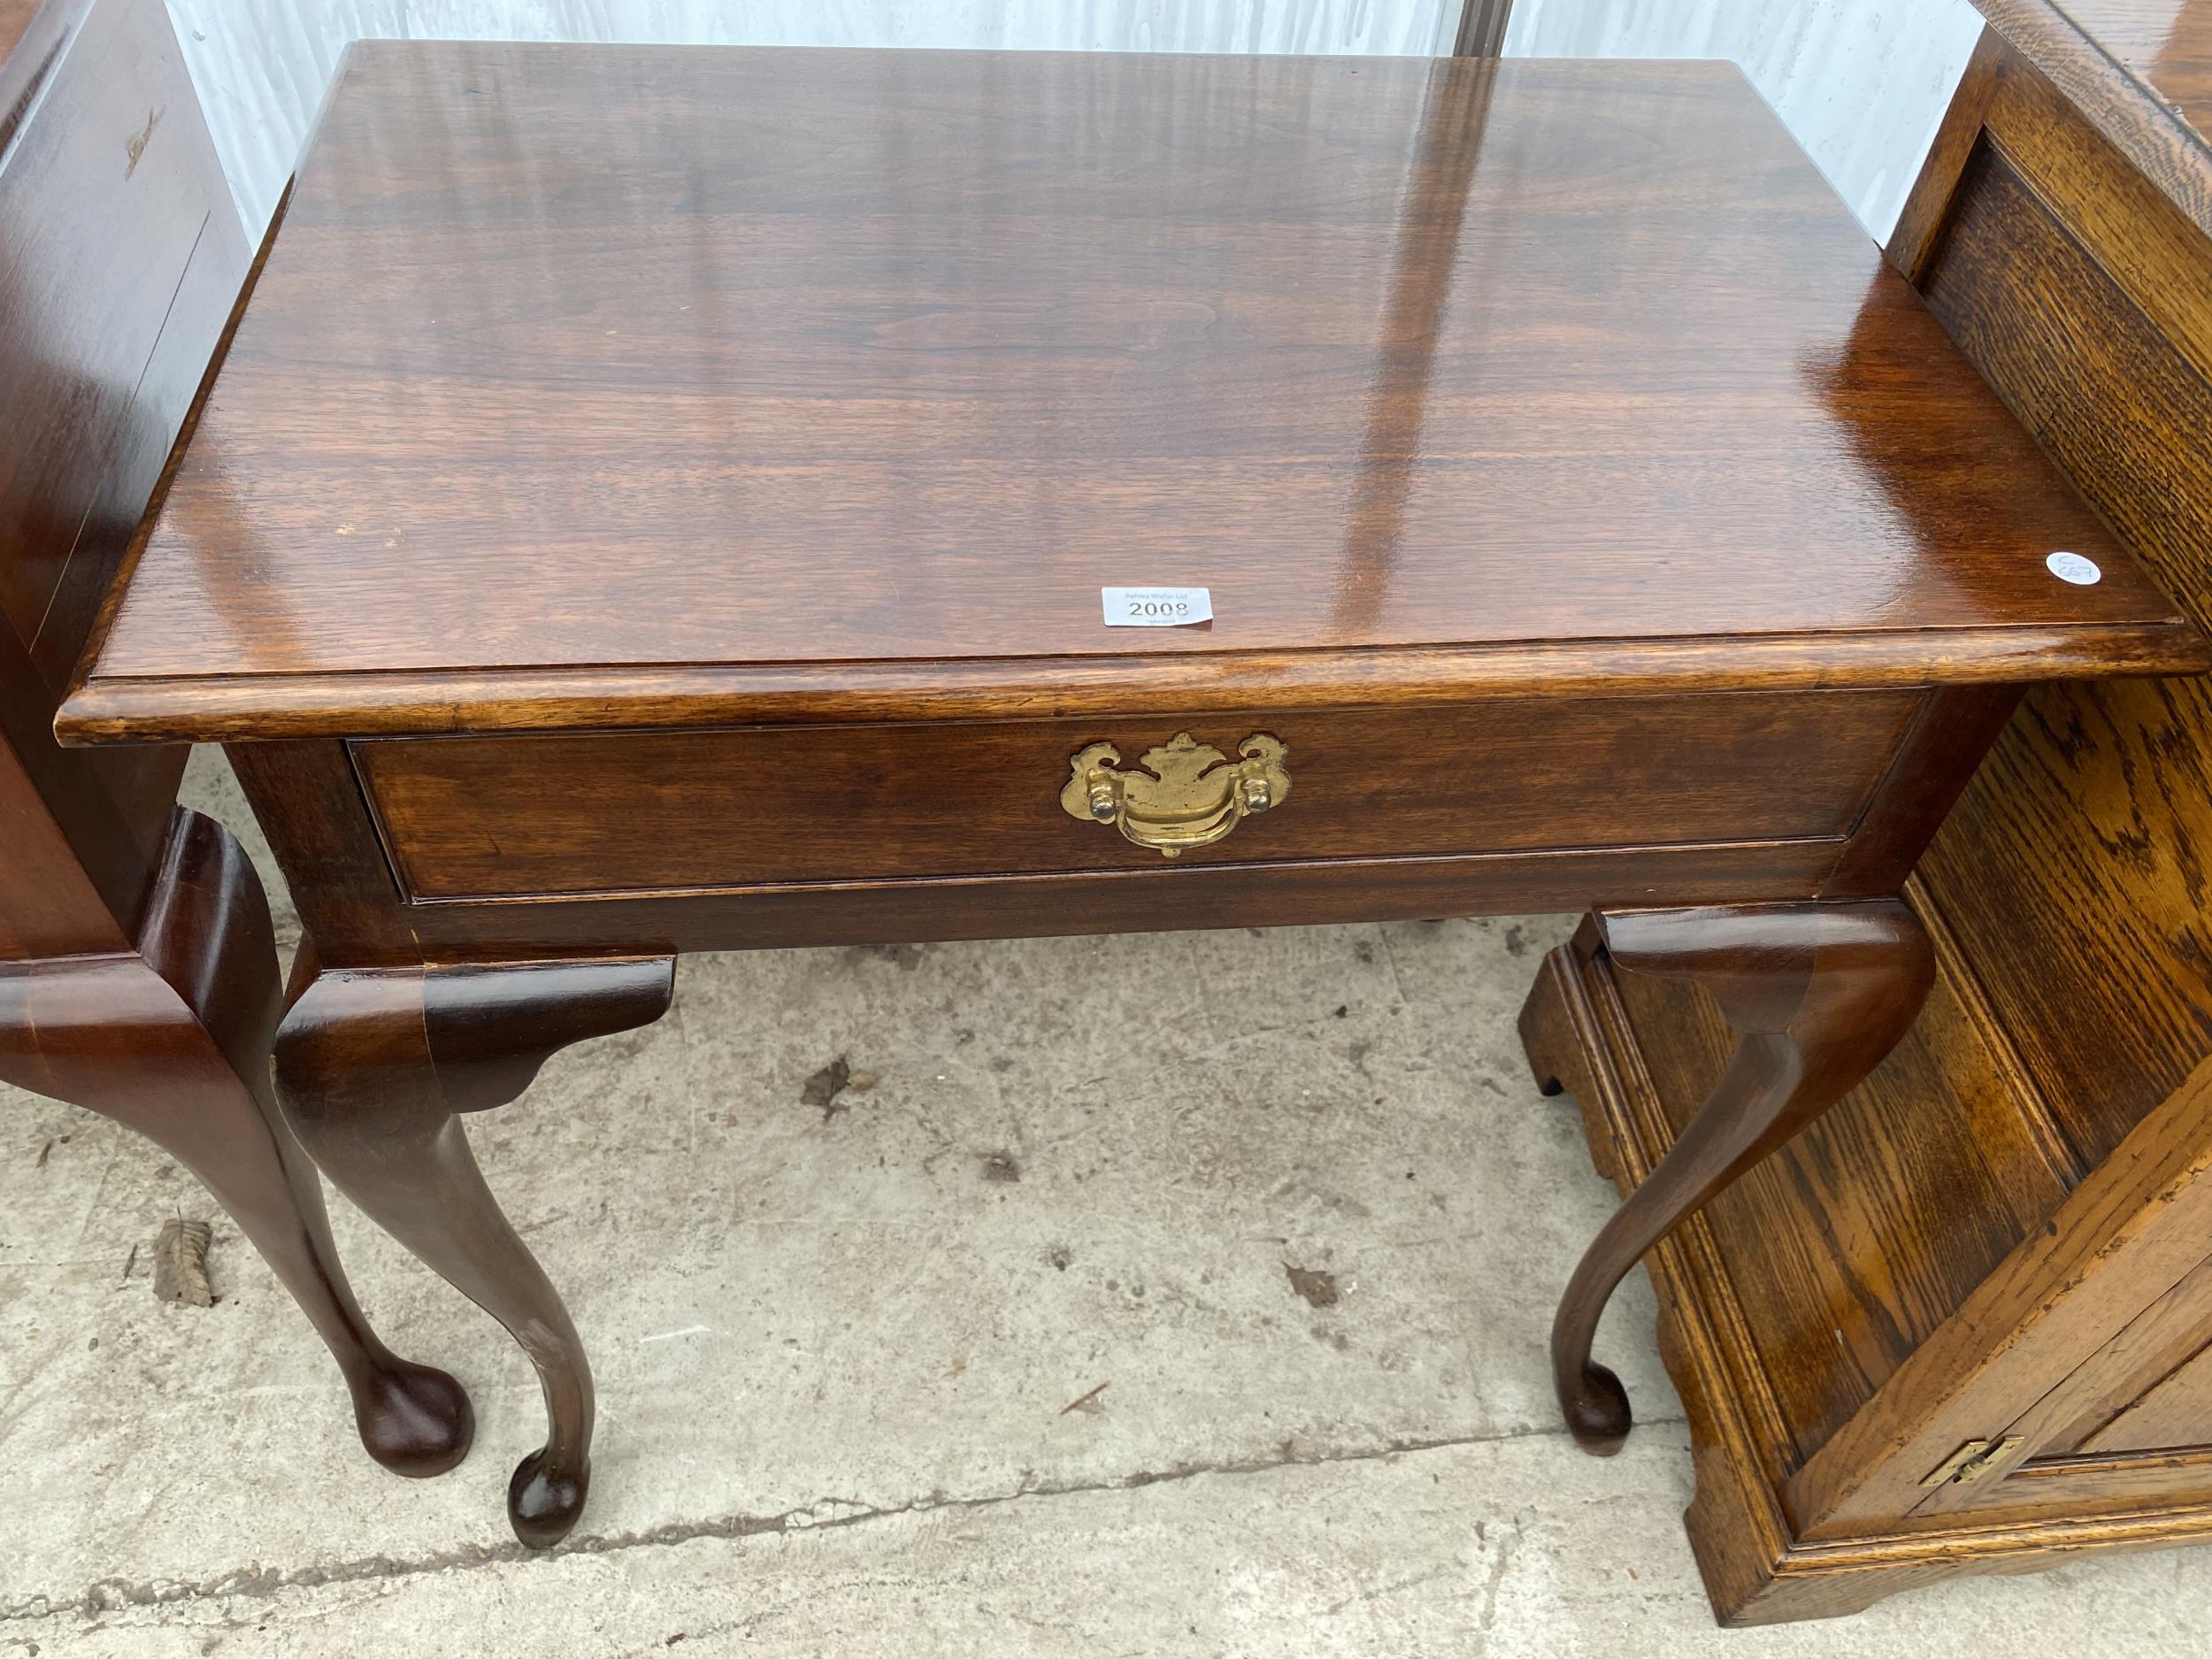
(744, 836)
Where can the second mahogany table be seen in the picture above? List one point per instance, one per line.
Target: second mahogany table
(664, 500)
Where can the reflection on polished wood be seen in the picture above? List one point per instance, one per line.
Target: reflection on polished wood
(170, 1038)
(630, 368)
(1439, 182)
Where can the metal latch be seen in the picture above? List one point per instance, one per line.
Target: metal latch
(1970, 1461)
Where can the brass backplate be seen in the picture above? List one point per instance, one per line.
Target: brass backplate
(1181, 795)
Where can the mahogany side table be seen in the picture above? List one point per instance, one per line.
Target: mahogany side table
(673, 500)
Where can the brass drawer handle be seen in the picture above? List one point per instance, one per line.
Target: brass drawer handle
(1186, 793)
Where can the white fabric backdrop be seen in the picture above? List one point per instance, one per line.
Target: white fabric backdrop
(1861, 82)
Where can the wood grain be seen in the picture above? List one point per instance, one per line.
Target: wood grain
(2172, 1413)
(114, 280)
(2109, 59)
(2134, 233)
(2128, 1234)
(281, 706)
(171, 1037)
(479, 816)
(2157, 1343)
(2097, 801)
(1818, 996)
(884, 400)
(1835, 1292)
(714, 552)
(80, 351)
(1921, 219)
(2165, 43)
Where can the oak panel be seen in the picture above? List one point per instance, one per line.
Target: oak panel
(2073, 867)
(1851, 1244)
(1836, 1334)
(2142, 240)
(1722, 1328)
(2156, 1343)
(2174, 1414)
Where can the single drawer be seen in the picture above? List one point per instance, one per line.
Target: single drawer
(629, 812)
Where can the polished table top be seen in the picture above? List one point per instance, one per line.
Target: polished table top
(620, 385)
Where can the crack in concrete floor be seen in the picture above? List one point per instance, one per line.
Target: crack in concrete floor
(111, 1595)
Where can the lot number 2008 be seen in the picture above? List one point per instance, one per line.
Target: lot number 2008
(1155, 607)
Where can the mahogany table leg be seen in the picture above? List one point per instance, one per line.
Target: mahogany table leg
(172, 1041)
(1819, 993)
(373, 1064)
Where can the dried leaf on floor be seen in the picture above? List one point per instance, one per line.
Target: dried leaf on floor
(180, 1263)
(823, 1088)
(1086, 1403)
(1316, 1286)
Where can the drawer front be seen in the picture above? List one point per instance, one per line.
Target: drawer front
(631, 812)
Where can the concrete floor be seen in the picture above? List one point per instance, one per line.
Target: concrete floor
(836, 1355)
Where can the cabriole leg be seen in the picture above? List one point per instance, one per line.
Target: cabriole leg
(374, 1067)
(1819, 993)
(172, 1041)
